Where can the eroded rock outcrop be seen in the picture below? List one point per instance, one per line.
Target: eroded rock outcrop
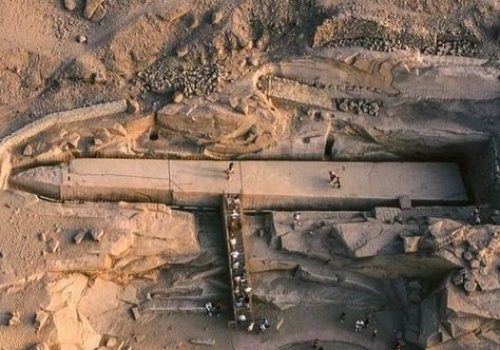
(373, 238)
(222, 132)
(64, 325)
(466, 302)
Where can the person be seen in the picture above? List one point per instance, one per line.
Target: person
(374, 334)
(234, 215)
(233, 201)
(230, 171)
(232, 242)
(234, 226)
(210, 308)
(334, 179)
(358, 325)
(476, 217)
(263, 325)
(296, 219)
(235, 254)
(342, 317)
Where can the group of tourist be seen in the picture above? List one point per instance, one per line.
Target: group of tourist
(360, 324)
(241, 288)
(242, 292)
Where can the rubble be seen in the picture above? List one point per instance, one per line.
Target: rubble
(411, 244)
(365, 33)
(217, 17)
(372, 238)
(133, 106)
(178, 97)
(82, 39)
(41, 346)
(202, 341)
(182, 51)
(359, 106)
(470, 286)
(96, 234)
(453, 47)
(99, 78)
(53, 245)
(111, 342)
(41, 318)
(99, 14)
(199, 81)
(69, 5)
(14, 318)
(28, 150)
(79, 236)
(280, 323)
(91, 7)
(253, 61)
(135, 312)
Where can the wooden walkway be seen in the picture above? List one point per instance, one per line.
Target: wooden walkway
(232, 217)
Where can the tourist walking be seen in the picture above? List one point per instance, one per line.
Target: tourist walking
(334, 179)
(296, 219)
(234, 215)
(229, 171)
(210, 308)
(358, 326)
(476, 217)
(232, 242)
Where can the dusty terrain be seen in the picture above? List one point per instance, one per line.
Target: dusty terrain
(214, 80)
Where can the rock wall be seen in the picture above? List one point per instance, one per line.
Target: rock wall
(483, 173)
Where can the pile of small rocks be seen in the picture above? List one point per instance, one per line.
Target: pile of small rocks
(472, 257)
(373, 44)
(455, 47)
(191, 81)
(359, 106)
(459, 47)
(466, 280)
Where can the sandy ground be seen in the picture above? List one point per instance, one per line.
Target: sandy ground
(336, 80)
